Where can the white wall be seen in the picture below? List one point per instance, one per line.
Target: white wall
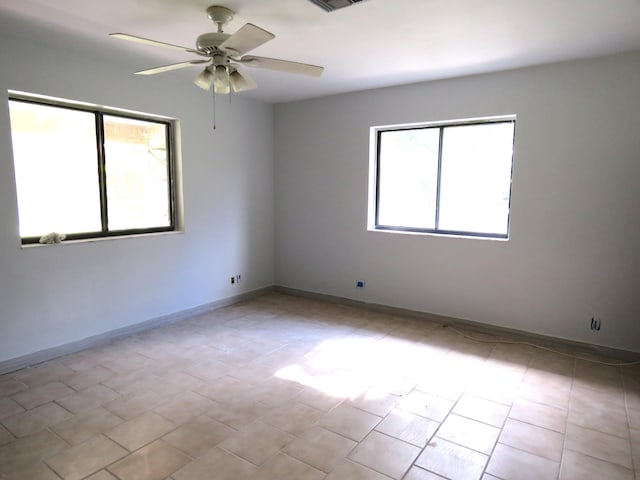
(53, 295)
(574, 248)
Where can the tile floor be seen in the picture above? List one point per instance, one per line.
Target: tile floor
(282, 388)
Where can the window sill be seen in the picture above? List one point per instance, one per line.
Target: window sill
(100, 239)
(438, 235)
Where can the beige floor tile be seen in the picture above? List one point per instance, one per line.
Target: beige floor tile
(548, 380)
(101, 475)
(349, 422)
(25, 452)
(320, 448)
(225, 389)
(239, 414)
(512, 354)
(556, 395)
(85, 425)
(509, 463)
(40, 395)
(45, 373)
(89, 377)
(633, 416)
(385, 454)
(599, 445)
(133, 404)
(545, 416)
(283, 467)
(552, 363)
(253, 373)
(199, 435)
(134, 381)
(5, 436)
(417, 473)
(536, 440)
(354, 471)
(183, 407)
(426, 405)
(82, 460)
(156, 461)
(482, 410)
(452, 461)
(469, 433)
(444, 384)
(597, 376)
(127, 363)
(256, 442)
(500, 385)
(38, 471)
(633, 399)
(10, 387)
(87, 399)
(9, 407)
(175, 383)
(37, 419)
(276, 392)
(375, 402)
(293, 417)
(84, 360)
(610, 397)
(225, 465)
(140, 430)
(208, 370)
(603, 419)
(318, 399)
(635, 442)
(576, 466)
(408, 427)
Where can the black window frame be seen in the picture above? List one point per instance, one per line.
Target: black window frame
(99, 112)
(441, 126)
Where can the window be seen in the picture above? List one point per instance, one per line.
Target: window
(90, 172)
(452, 178)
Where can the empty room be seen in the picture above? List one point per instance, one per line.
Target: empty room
(319, 240)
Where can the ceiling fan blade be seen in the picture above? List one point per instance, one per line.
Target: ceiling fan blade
(173, 66)
(133, 38)
(240, 81)
(246, 39)
(282, 65)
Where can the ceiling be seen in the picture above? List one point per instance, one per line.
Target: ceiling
(371, 44)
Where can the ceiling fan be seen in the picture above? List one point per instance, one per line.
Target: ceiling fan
(225, 53)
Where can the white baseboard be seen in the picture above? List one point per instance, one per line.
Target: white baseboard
(562, 344)
(40, 356)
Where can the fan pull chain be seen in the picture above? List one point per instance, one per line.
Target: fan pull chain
(214, 107)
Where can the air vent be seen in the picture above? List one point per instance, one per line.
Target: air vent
(331, 5)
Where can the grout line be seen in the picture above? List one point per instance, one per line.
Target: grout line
(566, 423)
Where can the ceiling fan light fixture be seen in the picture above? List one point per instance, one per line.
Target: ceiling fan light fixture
(204, 79)
(240, 81)
(221, 79)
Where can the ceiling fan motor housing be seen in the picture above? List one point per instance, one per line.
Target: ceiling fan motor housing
(208, 42)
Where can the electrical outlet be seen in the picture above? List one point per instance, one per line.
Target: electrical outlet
(233, 280)
(596, 323)
(360, 284)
